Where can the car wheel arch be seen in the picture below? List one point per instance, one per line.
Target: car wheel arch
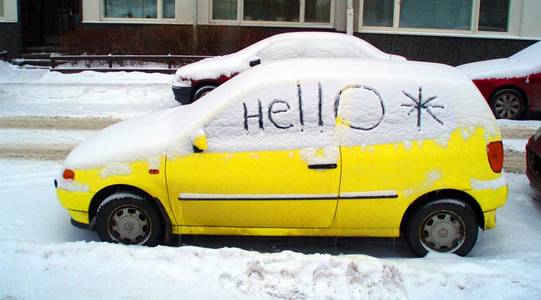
(510, 87)
(201, 84)
(443, 194)
(101, 195)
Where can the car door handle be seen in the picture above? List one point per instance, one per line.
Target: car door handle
(322, 166)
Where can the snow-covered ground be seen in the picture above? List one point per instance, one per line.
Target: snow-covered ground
(43, 257)
(25, 92)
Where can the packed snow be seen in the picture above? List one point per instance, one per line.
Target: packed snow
(25, 92)
(521, 64)
(517, 145)
(279, 47)
(43, 256)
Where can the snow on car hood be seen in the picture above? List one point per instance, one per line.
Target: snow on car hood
(142, 138)
(213, 67)
(521, 64)
(497, 69)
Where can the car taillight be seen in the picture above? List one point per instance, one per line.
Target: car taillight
(68, 174)
(495, 156)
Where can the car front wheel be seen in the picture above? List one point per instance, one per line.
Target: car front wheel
(508, 104)
(446, 225)
(129, 218)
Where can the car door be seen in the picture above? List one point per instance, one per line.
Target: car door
(267, 165)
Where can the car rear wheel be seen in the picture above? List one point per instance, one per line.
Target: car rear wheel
(446, 225)
(202, 91)
(129, 218)
(508, 104)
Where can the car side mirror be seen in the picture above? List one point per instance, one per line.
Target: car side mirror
(199, 142)
(255, 61)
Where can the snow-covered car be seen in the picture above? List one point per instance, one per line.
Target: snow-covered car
(512, 85)
(533, 161)
(307, 147)
(195, 80)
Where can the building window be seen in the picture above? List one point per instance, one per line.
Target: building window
(436, 14)
(443, 15)
(494, 15)
(272, 10)
(378, 13)
(290, 11)
(224, 9)
(317, 11)
(169, 9)
(138, 9)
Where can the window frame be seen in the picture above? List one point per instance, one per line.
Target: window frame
(159, 16)
(301, 23)
(512, 28)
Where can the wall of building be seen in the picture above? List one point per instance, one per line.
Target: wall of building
(102, 35)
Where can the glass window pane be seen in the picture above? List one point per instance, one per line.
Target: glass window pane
(169, 9)
(272, 10)
(437, 14)
(317, 11)
(224, 9)
(1, 8)
(378, 13)
(131, 8)
(493, 15)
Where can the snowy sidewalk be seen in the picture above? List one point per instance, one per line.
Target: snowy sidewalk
(43, 257)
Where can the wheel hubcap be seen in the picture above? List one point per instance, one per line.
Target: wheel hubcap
(507, 106)
(129, 225)
(443, 231)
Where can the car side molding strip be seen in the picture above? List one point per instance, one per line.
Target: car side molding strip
(273, 197)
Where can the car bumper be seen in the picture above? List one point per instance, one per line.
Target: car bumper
(183, 94)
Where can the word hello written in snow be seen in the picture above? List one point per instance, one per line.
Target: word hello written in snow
(278, 106)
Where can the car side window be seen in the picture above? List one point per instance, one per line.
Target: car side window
(370, 115)
(286, 116)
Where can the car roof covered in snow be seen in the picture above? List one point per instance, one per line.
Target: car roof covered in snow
(151, 135)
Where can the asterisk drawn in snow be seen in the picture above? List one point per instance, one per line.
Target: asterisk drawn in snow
(419, 105)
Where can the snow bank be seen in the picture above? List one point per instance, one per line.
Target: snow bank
(91, 270)
(27, 92)
(522, 64)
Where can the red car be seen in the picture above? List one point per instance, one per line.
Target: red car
(511, 86)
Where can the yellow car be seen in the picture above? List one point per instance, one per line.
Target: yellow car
(308, 147)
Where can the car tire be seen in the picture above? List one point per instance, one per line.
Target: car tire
(202, 91)
(445, 225)
(129, 218)
(508, 104)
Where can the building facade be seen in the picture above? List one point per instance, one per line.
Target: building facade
(447, 31)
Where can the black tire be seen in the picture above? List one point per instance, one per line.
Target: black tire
(508, 104)
(446, 225)
(129, 218)
(202, 91)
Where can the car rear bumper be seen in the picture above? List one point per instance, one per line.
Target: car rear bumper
(183, 94)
